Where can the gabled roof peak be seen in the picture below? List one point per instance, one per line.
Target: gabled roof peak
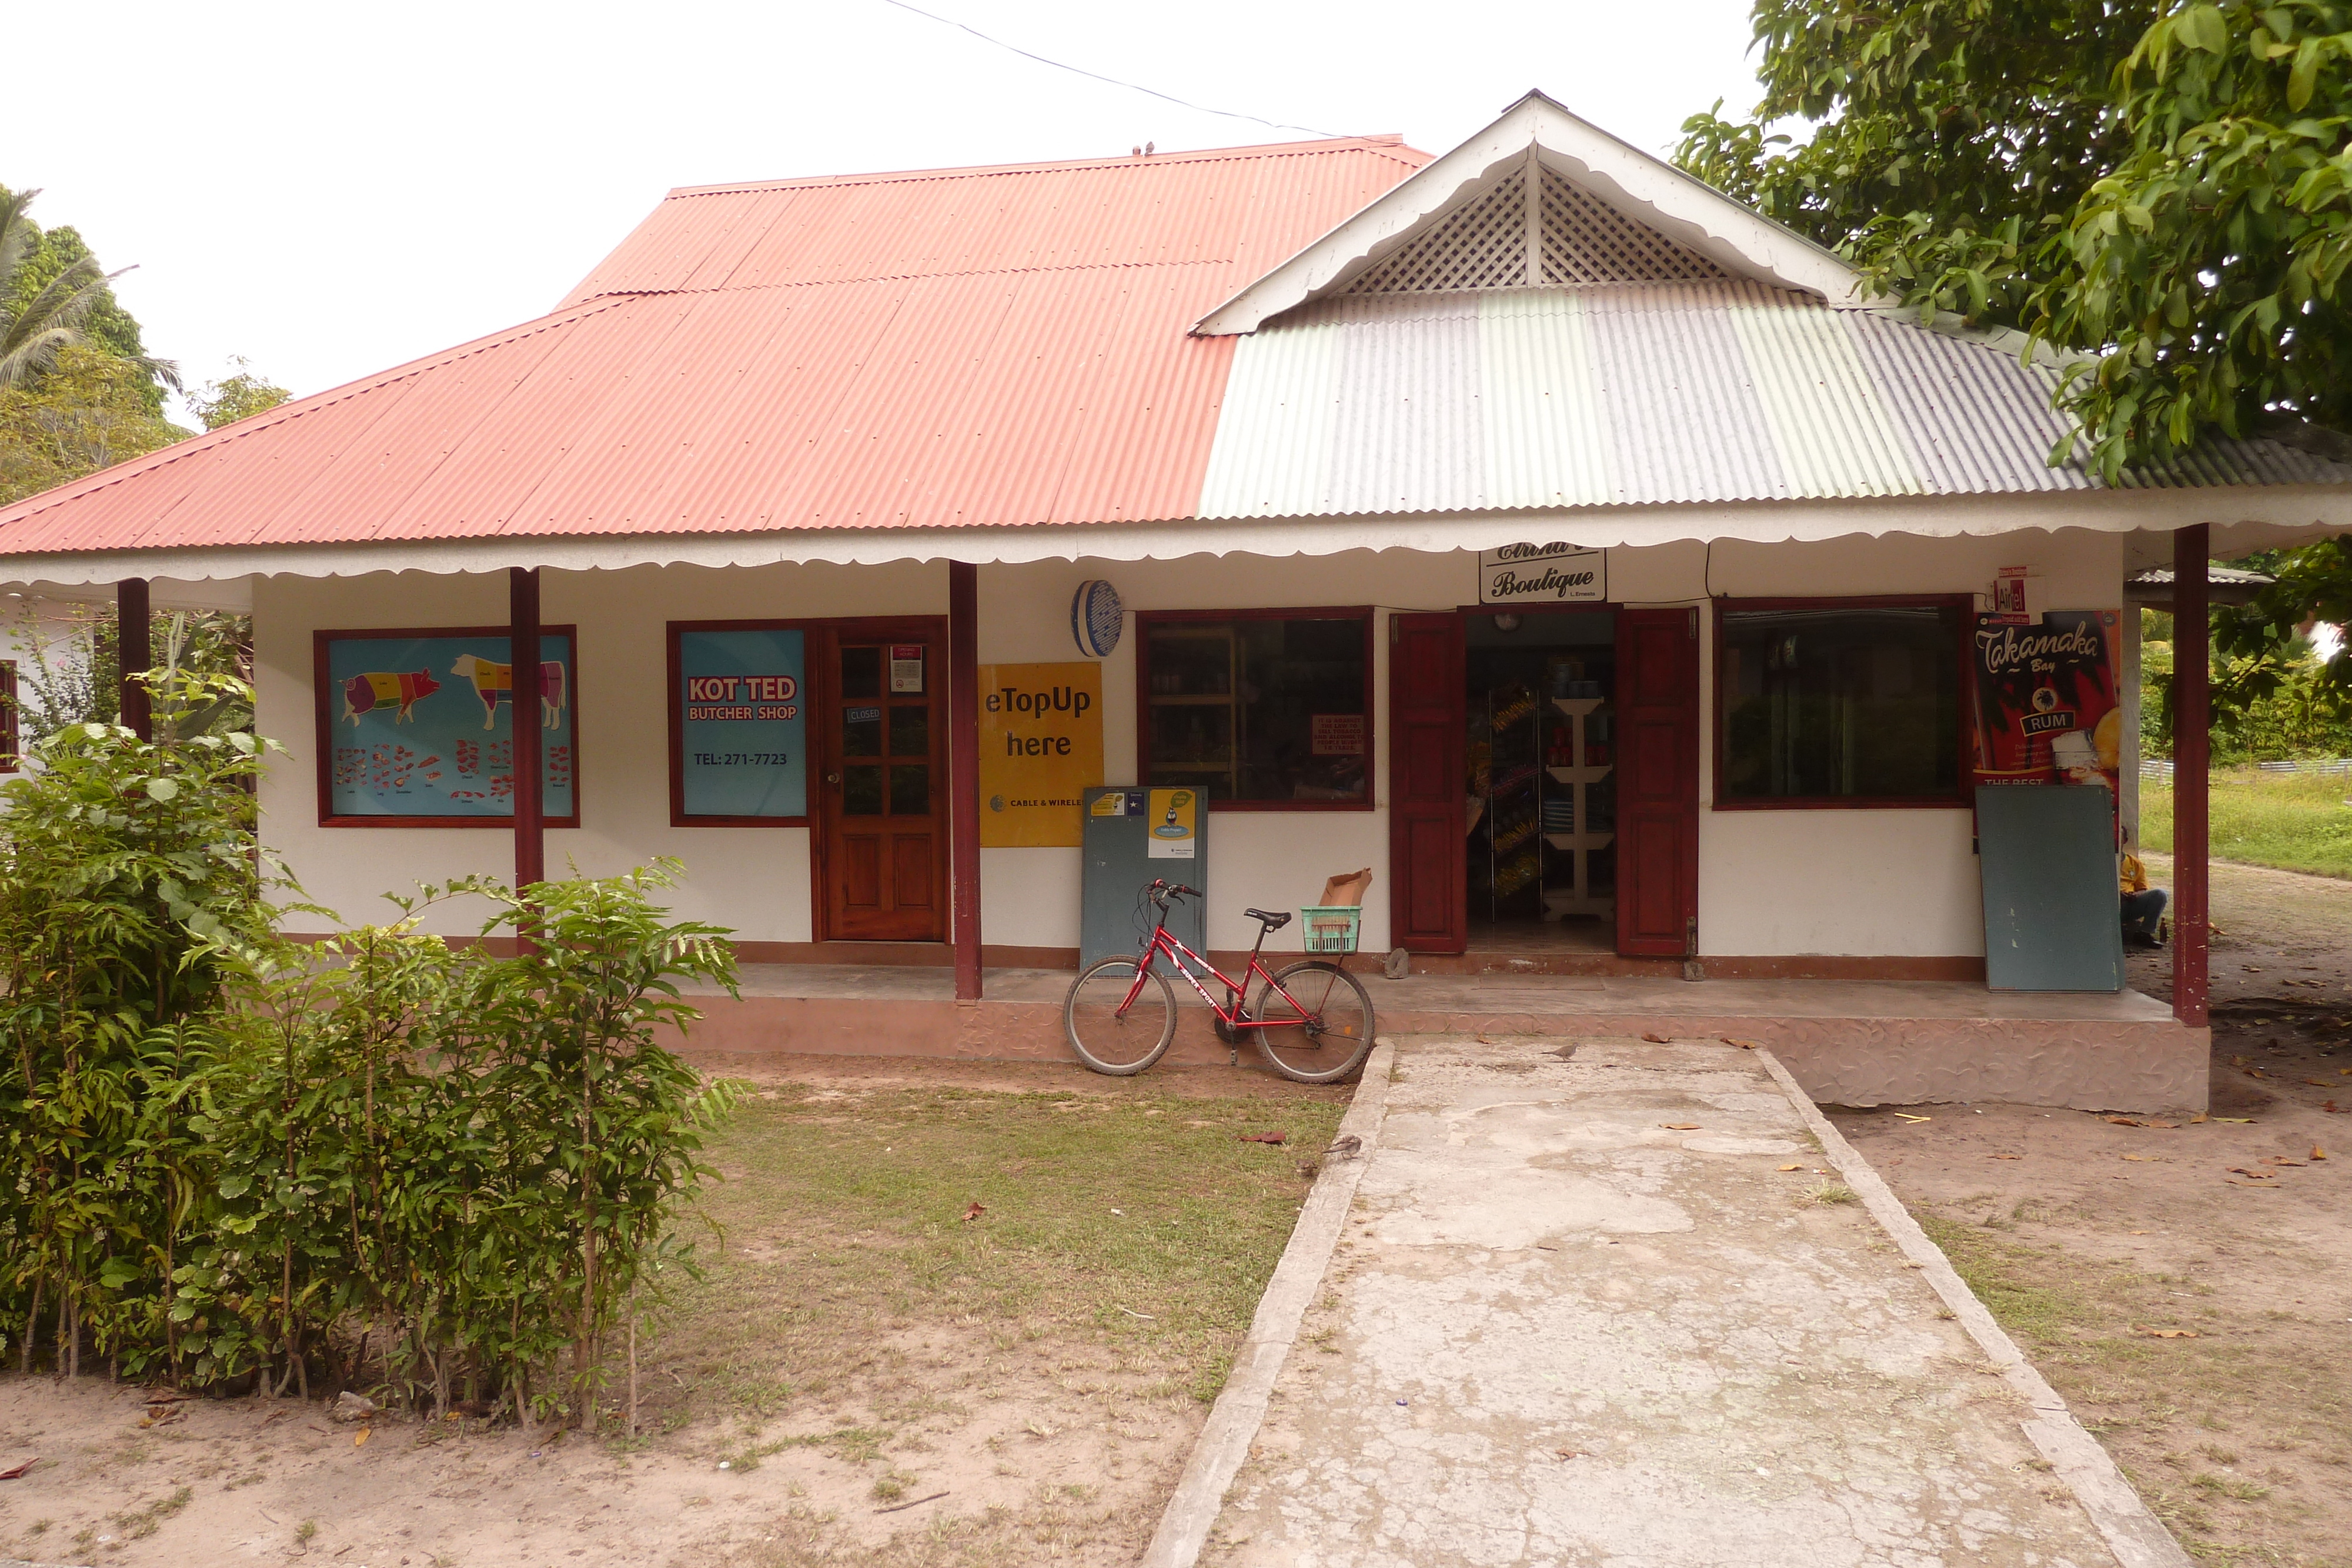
(1572, 174)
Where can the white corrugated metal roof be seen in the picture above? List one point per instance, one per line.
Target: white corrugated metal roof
(1654, 393)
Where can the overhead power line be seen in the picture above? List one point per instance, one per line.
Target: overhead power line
(1114, 81)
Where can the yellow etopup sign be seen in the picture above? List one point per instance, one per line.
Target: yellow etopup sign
(1040, 746)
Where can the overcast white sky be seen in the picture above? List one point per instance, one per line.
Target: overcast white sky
(331, 189)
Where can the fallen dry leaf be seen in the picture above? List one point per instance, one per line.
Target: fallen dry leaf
(974, 1212)
(2147, 1160)
(2122, 1121)
(2317, 1153)
(2168, 1126)
(17, 1470)
(2136, 1233)
(2197, 1118)
(2330, 1107)
(1276, 1136)
(1742, 1044)
(1789, 1167)
(1680, 1127)
(2163, 1333)
(1906, 1116)
(2316, 1083)
(2281, 1160)
(2258, 1176)
(1655, 1038)
(2236, 1121)
(2255, 1186)
(359, 1437)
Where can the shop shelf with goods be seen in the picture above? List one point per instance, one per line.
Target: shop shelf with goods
(1192, 722)
(1580, 823)
(1513, 791)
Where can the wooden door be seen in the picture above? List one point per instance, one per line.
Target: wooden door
(1657, 782)
(1428, 735)
(883, 801)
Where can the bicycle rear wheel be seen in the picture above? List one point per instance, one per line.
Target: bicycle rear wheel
(1315, 1023)
(1108, 1033)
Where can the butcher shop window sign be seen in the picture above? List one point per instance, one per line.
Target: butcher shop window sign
(1543, 574)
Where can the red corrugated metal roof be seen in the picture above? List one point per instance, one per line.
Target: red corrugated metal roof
(932, 349)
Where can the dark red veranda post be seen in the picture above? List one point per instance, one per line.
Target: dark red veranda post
(133, 618)
(963, 769)
(522, 648)
(2191, 716)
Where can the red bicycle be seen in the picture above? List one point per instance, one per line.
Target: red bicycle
(1313, 1020)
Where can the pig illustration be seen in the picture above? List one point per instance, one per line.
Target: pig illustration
(365, 693)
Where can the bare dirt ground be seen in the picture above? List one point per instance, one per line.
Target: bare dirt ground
(865, 1378)
(2186, 1284)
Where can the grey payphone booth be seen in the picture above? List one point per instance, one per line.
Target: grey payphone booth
(1133, 836)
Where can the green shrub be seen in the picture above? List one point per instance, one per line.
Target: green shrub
(376, 1156)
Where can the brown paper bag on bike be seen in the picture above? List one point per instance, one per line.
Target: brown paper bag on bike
(1345, 890)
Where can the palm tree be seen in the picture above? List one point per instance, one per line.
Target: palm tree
(32, 333)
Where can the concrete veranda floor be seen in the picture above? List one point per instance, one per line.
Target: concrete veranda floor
(1580, 1314)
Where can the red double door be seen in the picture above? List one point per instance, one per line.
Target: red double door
(1657, 783)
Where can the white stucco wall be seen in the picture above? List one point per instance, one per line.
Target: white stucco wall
(1771, 882)
(754, 880)
(1881, 883)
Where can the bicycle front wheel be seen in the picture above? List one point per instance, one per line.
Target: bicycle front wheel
(1115, 1025)
(1313, 1022)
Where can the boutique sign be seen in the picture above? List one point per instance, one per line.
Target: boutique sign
(1543, 574)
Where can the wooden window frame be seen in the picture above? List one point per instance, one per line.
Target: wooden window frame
(12, 728)
(675, 665)
(1958, 799)
(322, 695)
(1147, 619)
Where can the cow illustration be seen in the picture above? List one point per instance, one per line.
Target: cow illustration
(494, 683)
(365, 694)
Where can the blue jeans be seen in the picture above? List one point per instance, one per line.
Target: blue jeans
(2141, 912)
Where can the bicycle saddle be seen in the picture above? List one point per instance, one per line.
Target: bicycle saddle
(1267, 918)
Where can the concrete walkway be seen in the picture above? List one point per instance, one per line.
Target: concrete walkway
(1579, 1313)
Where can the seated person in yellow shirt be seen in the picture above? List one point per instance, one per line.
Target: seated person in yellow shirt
(2143, 906)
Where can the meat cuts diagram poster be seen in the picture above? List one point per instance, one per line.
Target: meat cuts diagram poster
(421, 725)
(2046, 706)
(739, 718)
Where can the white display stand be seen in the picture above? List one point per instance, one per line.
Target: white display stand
(1579, 846)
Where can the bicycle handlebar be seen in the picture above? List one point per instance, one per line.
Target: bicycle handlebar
(1161, 892)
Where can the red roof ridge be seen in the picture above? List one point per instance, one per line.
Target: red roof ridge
(1199, 155)
(909, 277)
(205, 441)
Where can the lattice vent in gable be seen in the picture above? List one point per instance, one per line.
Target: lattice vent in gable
(1585, 240)
(1483, 245)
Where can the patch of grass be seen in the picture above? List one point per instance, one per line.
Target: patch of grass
(1135, 1222)
(1826, 1194)
(2295, 821)
(141, 1522)
(2037, 1312)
